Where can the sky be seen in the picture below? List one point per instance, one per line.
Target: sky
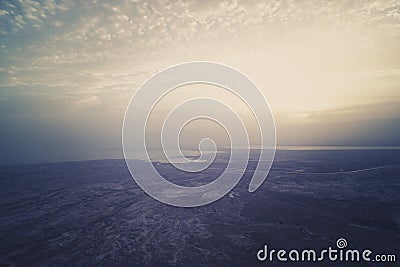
(330, 70)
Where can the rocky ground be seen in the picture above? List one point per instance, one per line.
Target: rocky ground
(92, 213)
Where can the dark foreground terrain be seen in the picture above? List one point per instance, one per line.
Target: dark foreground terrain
(93, 214)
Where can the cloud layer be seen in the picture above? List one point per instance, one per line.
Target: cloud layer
(77, 63)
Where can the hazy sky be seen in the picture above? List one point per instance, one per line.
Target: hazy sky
(329, 69)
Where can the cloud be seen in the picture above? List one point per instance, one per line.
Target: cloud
(89, 101)
(322, 61)
(367, 124)
(17, 15)
(376, 110)
(59, 37)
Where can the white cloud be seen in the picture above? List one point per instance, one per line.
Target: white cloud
(88, 101)
(122, 38)
(29, 13)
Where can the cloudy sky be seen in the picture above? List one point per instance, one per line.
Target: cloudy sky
(329, 69)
